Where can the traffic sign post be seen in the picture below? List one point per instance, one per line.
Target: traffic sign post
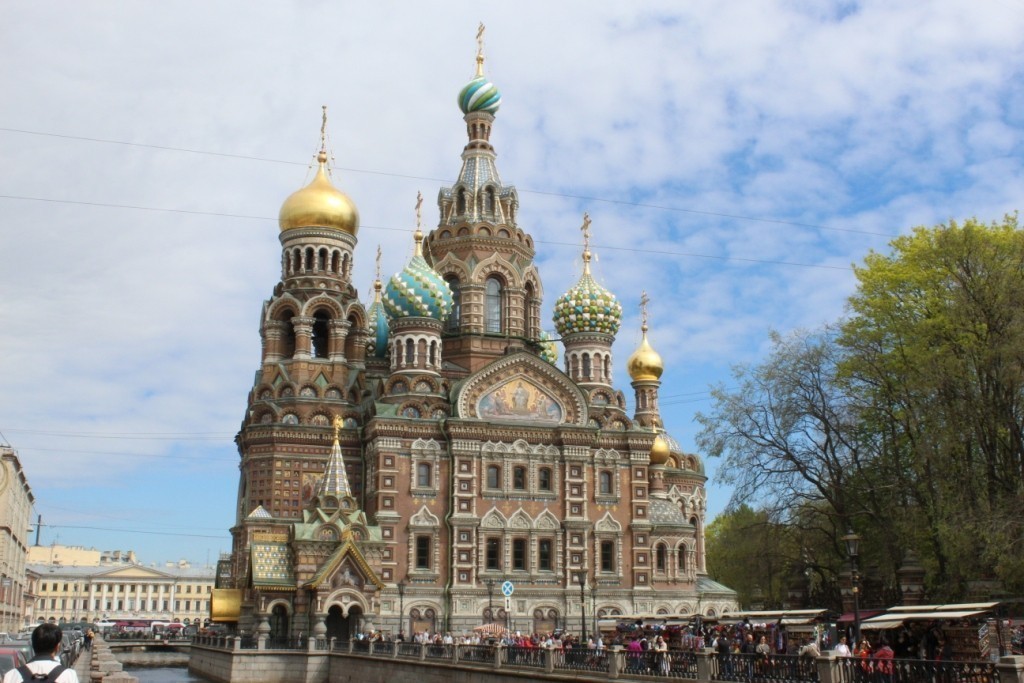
(507, 589)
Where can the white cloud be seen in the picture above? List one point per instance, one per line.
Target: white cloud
(864, 116)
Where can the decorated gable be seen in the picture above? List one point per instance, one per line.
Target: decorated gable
(346, 567)
(521, 388)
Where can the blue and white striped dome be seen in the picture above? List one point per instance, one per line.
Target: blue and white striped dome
(480, 95)
(379, 327)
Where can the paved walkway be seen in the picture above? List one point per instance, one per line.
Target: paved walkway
(82, 666)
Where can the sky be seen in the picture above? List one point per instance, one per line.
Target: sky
(736, 159)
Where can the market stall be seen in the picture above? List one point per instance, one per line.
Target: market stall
(970, 630)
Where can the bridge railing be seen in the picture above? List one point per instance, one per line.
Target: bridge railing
(706, 666)
(856, 670)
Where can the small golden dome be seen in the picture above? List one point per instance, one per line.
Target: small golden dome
(660, 451)
(645, 363)
(319, 204)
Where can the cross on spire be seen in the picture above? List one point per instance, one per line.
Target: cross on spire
(480, 50)
(323, 129)
(586, 242)
(644, 300)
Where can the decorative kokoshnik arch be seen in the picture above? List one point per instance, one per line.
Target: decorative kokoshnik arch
(521, 388)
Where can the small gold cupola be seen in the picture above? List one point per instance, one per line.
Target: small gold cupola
(660, 451)
(645, 364)
(320, 204)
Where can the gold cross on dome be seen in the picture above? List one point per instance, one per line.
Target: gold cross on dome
(419, 209)
(586, 231)
(378, 262)
(480, 50)
(323, 129)
(644, 300)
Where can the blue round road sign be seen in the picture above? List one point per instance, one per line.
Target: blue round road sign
(507, 589)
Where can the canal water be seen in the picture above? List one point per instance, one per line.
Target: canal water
(168, 674)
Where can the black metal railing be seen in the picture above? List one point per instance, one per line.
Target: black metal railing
(576, 659)
(744, 667)
(409, 650)
(529, 657)
(855, 670)
(476, 653)
(440, 652)
(361, 646)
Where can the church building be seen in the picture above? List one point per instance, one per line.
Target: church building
(403, 458)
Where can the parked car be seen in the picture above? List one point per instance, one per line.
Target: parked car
(22, 646)
(10, 658)
(69, 650)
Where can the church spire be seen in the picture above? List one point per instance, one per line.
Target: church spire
(335, 481)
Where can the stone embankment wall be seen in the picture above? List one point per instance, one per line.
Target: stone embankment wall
(103, 666)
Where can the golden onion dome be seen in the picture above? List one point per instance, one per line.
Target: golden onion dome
(645, 363)
(660, 451)
(320, 205)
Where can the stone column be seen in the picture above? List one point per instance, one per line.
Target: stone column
(303, 337)
(1010, 669)
(339, 334)
(828, 668)
(707, 665)
(262, 632)
(273, 331)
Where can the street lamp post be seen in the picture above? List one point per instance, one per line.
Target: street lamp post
(401, 606)
(490, 600)
(852, 542)
(593, 608)
(581, 576)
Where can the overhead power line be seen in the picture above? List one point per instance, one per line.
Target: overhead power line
(636, 250)
(561, 195)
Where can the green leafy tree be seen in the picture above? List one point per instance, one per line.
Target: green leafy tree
(936, 348)
(904, 421)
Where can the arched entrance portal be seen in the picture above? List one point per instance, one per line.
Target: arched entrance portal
(342, 627)
(279, 623)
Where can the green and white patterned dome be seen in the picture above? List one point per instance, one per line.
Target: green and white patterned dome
(480, 95)
(418, 291)
(587, 307)
(548, 348)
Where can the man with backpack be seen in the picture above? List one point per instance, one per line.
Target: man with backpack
(47, 641)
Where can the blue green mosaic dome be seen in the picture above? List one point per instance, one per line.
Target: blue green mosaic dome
(479, 95)
(417, 292)
(587, 307)
(379, 329)
(548, 348)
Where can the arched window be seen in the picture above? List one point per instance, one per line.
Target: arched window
(586, 366)
(659, 558)
(532, 308)
(287, 343)
(519, 478)
(321, 335)
(409, 351)
(605, 483)
(493, 477)
(681, 558)
(433, 354)
(544, 479)
(607, 556)
(492, 305)
(456, 316)
(423, 475)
